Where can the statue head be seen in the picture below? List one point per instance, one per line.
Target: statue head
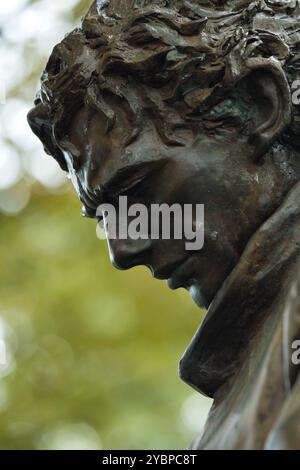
(178, 101)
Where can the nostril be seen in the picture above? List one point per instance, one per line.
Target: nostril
(123, 261)
(119, 263)
(125, 254)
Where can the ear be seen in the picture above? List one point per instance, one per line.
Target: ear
(271, 93)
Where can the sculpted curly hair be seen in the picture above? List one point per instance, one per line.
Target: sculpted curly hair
(172, 62)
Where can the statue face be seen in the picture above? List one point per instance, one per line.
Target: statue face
(163, 111)
(213, 170)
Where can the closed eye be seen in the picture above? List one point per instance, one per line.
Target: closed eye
(134, 189)
(134, 185)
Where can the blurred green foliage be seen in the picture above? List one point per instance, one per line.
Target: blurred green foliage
(89, 344)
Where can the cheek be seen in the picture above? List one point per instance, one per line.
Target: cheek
(191, 189)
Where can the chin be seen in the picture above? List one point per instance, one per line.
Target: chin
(198, 297)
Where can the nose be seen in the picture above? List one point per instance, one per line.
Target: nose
(40, 122)
(125, 254)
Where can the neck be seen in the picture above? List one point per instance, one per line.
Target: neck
(244, 301)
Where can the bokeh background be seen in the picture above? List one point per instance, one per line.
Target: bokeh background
(91, 353)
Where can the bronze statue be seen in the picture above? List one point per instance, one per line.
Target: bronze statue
(192, 101)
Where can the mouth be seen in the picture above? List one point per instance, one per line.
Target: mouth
(177, 275)
(167, 271)
(183, 276)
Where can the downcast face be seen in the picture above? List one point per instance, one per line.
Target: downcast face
(150, 109)
(206, 168)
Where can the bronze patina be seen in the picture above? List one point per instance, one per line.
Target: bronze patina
(191, 101)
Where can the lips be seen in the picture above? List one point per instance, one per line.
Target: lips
(177, 274)
(176, 281)
(167, 271)
(183, 276)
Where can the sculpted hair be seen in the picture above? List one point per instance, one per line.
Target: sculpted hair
(169, 61)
